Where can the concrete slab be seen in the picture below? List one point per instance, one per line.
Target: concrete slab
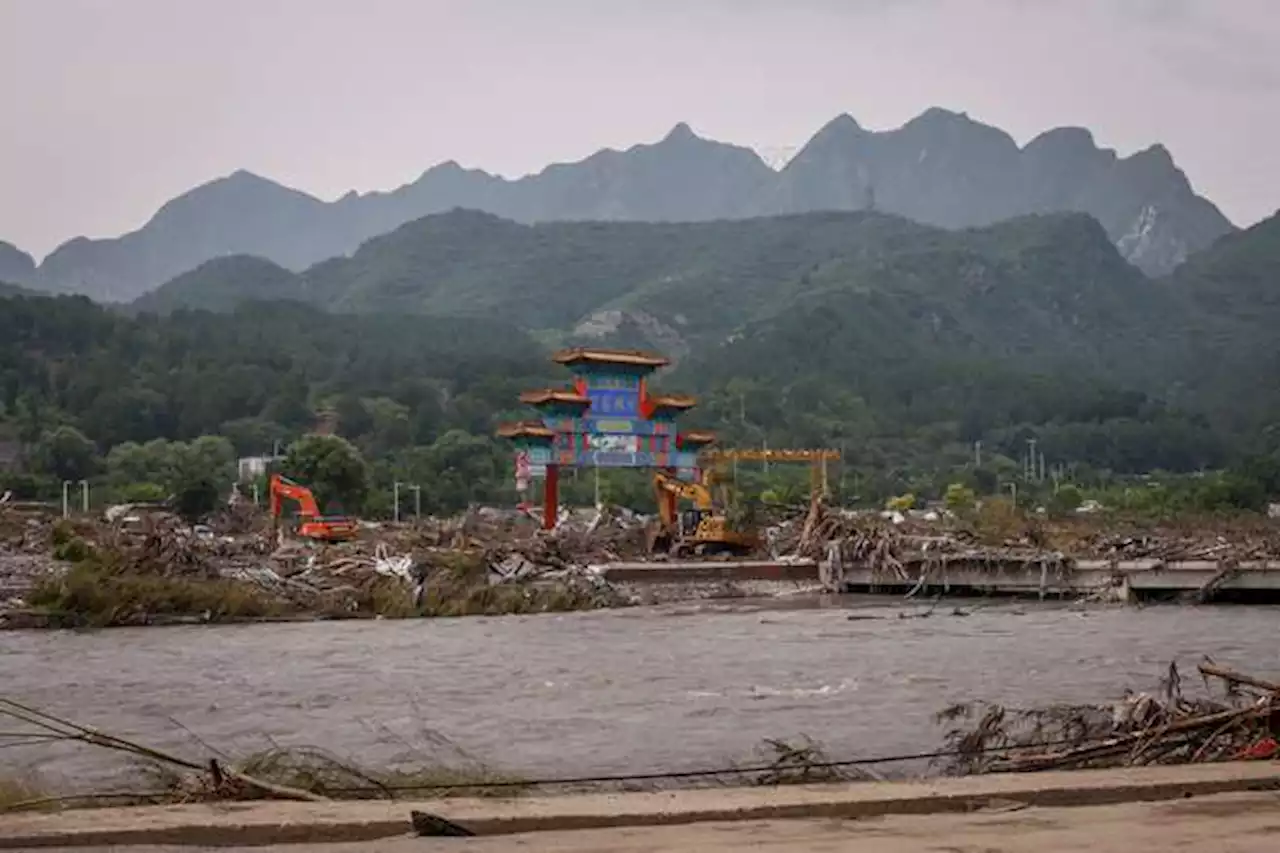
(252, 824)
(1225, 823)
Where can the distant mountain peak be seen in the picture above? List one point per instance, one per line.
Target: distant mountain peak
(941, 115)
(1066, 137)
(682, 132)
(843, 126)
(1156, 154)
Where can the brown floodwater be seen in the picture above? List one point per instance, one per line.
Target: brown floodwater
(672, 688)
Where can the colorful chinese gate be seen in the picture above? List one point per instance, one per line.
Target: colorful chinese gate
(607, 418)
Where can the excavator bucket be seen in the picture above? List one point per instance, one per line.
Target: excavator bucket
(657, 538)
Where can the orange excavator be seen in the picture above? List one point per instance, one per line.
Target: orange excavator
(311, 524)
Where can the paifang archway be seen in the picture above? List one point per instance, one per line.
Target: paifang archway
(605, 418)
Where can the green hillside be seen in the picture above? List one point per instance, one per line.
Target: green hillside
(915, 349)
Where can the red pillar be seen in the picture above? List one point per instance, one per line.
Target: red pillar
(551, 498)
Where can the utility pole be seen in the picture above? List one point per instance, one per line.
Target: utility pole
(1031, 460)
(66, 506)
(84, 496)
(395, 500)
(1042, 467)
(597, 472)
(844, 495)
(977, 454)
(1013, 488)
(417, 500)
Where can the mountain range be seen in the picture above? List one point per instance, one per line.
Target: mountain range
(902, 341)
(941, 168)
(853, 295)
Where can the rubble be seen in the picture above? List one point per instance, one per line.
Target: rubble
(887, 544)
(484, 561)
(496, 561)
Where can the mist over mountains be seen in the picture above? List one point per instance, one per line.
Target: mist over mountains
(941, 168)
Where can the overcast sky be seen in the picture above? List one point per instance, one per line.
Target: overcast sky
(111, 107)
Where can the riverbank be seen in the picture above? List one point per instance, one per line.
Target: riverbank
(137, 567)
(314, 823)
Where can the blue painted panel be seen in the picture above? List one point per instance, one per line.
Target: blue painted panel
(614, 402)
(616, 455)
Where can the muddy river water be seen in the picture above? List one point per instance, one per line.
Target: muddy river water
(678, 687)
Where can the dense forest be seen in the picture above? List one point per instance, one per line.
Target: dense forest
(930, 357)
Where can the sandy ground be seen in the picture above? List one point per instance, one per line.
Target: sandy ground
(1227, 823)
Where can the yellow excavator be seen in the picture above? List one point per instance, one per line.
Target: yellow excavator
(700, 530)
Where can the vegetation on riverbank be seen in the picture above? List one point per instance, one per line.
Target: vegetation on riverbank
(17, 791)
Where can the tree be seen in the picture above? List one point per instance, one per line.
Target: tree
(959, 498)
(331, 467)
(901, 503)
(195, 499)
(201, 472)
(1067, 499)
(67, 454)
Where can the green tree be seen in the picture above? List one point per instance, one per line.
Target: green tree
(332, 468)
(959, 498)
(67, 454)
(202, 471)
(1066, 500)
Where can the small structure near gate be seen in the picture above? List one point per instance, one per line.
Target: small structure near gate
(606, 418)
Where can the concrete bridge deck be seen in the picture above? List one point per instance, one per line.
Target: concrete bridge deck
(1119, 580)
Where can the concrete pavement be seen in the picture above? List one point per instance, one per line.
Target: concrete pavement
(266, 823)
(1224, 823)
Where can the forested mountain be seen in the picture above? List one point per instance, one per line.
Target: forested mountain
(1007, 290)
(222, 284)
(941, 168)
(279, 365)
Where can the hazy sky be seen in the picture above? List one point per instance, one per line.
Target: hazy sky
(110, 107)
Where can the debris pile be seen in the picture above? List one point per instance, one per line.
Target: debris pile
(902, 547)
(25, 555)
(1234, 722)
(483, 561)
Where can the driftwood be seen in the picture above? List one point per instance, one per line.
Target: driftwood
(219, 776)
(1141, 729)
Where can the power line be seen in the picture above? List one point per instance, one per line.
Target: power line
(606, 779)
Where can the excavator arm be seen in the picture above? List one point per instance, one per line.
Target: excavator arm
(664, 484)
(311, 524)
(282, 488)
